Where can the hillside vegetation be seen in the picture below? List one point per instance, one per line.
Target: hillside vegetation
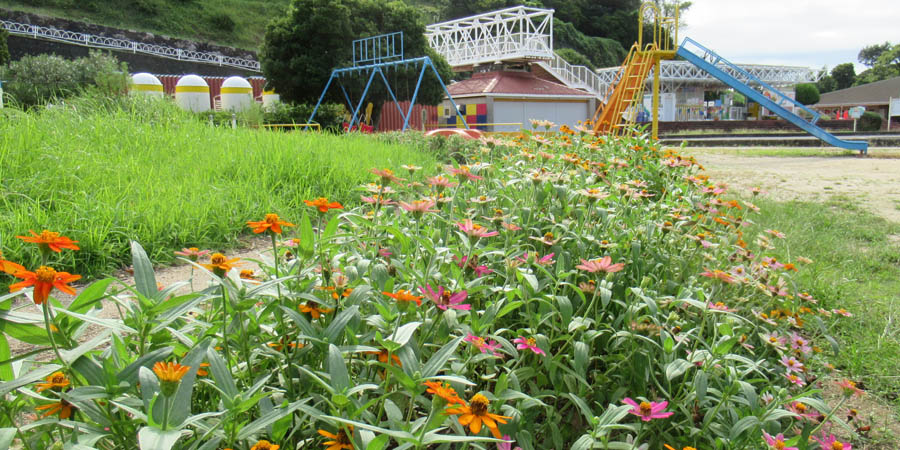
(236, 23)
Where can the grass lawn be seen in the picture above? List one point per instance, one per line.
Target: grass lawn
(856, 266)
(216, 21)
(160, 176)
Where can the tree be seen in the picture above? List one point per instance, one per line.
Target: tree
(844, 75)
(315, 36)
(886, 64)
(4, 49)
(806, 93)
(869, 54)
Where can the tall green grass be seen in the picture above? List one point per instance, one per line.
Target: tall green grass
(856, 266)
(114, 172)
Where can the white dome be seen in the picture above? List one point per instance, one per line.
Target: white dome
(144, 78)
(236, 82)
(146, 84)
(192, 80)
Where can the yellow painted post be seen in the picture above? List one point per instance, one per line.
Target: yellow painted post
(656, 74)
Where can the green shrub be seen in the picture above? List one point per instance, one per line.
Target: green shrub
(870, 121)
(222, 23)
(4, 49)
(573, 57)
(807, 93)
(34, 80)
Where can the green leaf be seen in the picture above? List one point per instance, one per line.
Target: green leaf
(221, 375)
(150, 438)
(433, 437)
(92, 294)
(677, 368)
(337, 326)
(30, 334)
(144, 278)
(700, 384)
(582, 406)
(307, 237)
(306, 328)
(379, 442)
(27, 379)
(440, 358)
(331, 228)
(743, 425)
(404, 333)
(265, 420)
(6, 437)
(181, 407)
(395, 434)
(149, 391)
(6, 372)
(337, 369)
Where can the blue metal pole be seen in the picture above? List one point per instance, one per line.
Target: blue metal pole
(363, 99)
(327, 85)
(415, 95)
(446, 91)
(390, 91)
(347, 96)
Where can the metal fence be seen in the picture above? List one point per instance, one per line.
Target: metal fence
(89, 40)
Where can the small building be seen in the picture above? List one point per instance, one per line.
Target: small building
(874, 96)
(513, 97)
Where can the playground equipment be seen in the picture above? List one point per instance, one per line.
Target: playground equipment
(374, 55)
(618, 114)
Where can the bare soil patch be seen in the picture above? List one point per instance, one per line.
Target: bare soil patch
(875, 183)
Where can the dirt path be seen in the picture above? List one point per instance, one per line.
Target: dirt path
(874, 182)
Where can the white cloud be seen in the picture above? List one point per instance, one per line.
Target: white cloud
(796, 32)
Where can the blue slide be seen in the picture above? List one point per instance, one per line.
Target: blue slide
(740, 80)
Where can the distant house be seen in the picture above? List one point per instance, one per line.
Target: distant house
(874, 96)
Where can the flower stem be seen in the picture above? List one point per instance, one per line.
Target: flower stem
(165, 422)
(46, 307)
(225, 325)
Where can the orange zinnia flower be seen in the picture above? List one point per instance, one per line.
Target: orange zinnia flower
(383, 357)
(314, 309)
(62, 407)
(323, 205)
(55, 380)
(169, 371)
(444, 391)
(9, 266)
(405, 296)
(339, 440)
(50, 240)
(265, 445)
(271, 222)
(219, 264)
(44, 280)
(477, 413)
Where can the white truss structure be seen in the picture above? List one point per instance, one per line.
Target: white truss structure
(577, 77)
(513, 34)
(675, 74)
(89, 40)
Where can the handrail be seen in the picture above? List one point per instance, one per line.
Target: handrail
(317, 126)
(578, 76)
(714, 58)
(89, 40)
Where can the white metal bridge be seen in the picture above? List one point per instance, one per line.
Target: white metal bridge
(526, 34)
(89, 40)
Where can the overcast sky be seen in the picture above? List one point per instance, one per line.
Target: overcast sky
(808, 33)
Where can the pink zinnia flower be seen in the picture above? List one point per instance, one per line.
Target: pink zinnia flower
(387, 176)
(474, 230)
(791, 364)
(529, 343)
(719, 275)
(538, 259)
(794, 379)
(192, 253)
(798, 343)
(776, 442)
(510, 226)
(446, 299)
(440, 182)
(648, 410)
(478, 269)
(832, 443)
(482, 345)
(418, 207)
(842, 312)
(377, 200)
(719, 306)
(462, 173)
(850, 388)
(508, 444)
(802, 410)
(776, 233)
(600, 265)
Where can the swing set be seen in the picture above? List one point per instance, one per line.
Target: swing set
(376, 55)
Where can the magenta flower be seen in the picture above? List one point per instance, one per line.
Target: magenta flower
(473, 230)
(510, 226)
(445, 299)
(440, 182)
(387, 175)
(479, 270)
(719, 275)
(508, 444)
(482, 345)
(832, 443)
(648, 410)
(538, 259)
(719, 306)
(600, 265)
(528, 343)
(377, 200)
(799, 343)
(776, 442)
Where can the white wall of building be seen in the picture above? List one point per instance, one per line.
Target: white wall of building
(522, 111)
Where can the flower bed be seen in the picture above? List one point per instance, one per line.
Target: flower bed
(555, 291)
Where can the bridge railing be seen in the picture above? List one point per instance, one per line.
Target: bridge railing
(89, 40)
